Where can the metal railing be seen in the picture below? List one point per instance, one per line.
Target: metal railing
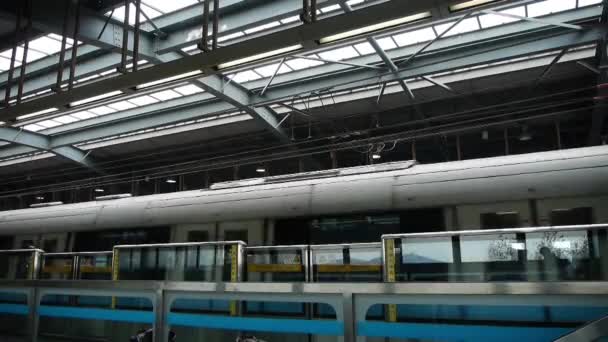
(77, 265)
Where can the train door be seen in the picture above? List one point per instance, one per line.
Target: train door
(252, 232)
(50, 243)
(194, 232)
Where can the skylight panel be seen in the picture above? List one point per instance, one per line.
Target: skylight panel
(169, 79)
(46, 45)
(90, 77)
(583, 3)
(415, 37)
(167, 6)
(69, 41)
(262, 27)
(355, 2)
(467, 25)
(108, 72)
(230, 36)
(550, 6)
(122, 105)
(102, 110)
(5, 63)
(269, 70)
(386, 43)
(290, 20)
(83, 115)
(330, 8)
(165, 95)
(33, 128)
(301, 63)
(246, 76)
(95, 98)
(188, 89)
(143, 100)
(33, 55)
(48, 123)
(490, 20)
(66, 119)
(364, 48)
(339, 54)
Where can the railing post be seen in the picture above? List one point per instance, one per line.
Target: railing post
(33, 318)
(348, 316)
(161, 333)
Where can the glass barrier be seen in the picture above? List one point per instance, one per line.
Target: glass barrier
(277, 264)
(565, 253)
(84, 265)
(201, 261)
(20, 264)
(359, 262)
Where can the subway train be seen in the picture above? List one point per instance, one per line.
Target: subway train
(356, 204)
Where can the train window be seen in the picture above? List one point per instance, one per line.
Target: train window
(106, 240)
(236, 235)
(422, 220)
(198, 236)
(573, 216)
(6, 242)
(353, 229)
(505, 219)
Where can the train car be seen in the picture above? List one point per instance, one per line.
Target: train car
(349, 205)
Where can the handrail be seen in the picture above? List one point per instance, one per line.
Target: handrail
(182, 244)
(70, 254)
(24, 250)
(497, 231)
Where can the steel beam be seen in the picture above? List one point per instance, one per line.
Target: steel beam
(305, 36)
(44, 143)
(189, 108)
(240, 99)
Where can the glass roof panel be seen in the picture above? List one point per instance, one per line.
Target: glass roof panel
(165, 95)
(464, 26)
(66, 119)
(364, 48)
(102, 110)
(83, 115)
(301, 63)
(339, 54)
(269, 70)
(489, 20)
(262, 27)
(33, 128)
(387, 43)
(121, 105)
(48, 123)
(188, 89)
(550, 6)
(33, 55)
(143, 100)
(46, 45)
(414, 37)
(246, 76)
(167, 6)
(230, 36)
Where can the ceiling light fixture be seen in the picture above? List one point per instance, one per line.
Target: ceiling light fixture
(95, 98)
(45, 111)
(260, 169)
(99, 190)
(259, 56)
(169, 79)
(469, 4)
(40, 198)
(374, 28)
(171, 180)
(376, 156)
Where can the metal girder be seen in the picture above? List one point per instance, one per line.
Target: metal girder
(180, 110)
(305, 36)
(44, 143)
(240, 99)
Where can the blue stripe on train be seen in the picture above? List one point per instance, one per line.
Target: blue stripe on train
(14, 309)
(316, 327)
(459, 333)
(498, 313)
(97, 314)
(201, 304)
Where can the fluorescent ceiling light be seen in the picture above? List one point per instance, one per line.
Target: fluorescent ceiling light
(259, 56)
(469, 4)
(169, 79)
(46, 111)
(95, 98)
(171, 180)
(376, 156)
(260, 170)
(373, 28)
